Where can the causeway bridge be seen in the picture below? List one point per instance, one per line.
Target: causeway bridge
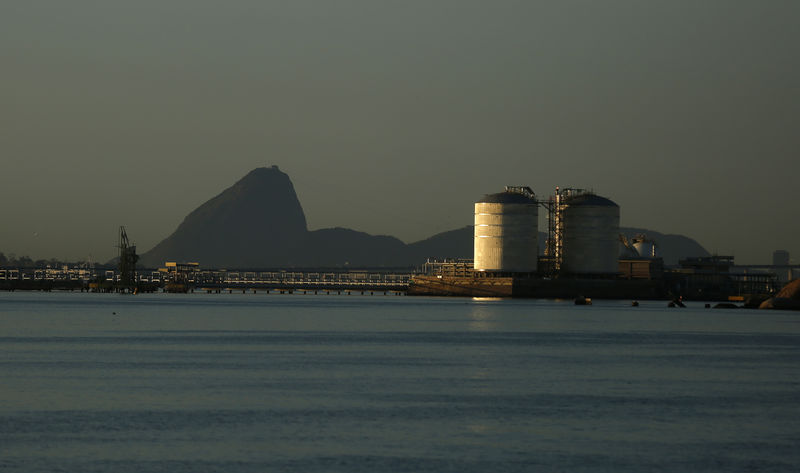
(374, 280)
(292, 281)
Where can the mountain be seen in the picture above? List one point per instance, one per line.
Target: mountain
(451, 244)
(259, 223)
(336, 247)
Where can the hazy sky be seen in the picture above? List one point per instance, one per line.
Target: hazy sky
(394, 117)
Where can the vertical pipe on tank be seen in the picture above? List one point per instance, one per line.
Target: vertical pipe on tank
(559, 232)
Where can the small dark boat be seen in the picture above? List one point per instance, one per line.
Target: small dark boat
(580, 300)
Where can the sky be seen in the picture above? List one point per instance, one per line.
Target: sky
(394, 117)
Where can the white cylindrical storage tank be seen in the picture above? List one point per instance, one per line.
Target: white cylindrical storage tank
(506, 233)
(645, 247)
(591, 235)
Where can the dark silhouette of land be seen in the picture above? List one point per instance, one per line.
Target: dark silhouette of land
(259, 223)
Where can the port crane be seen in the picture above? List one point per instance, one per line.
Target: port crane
(127, 262)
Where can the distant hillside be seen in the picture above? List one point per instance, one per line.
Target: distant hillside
(259, 223)
(452, 244)
(337, 247)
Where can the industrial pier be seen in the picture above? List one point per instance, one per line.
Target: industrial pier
(582, 256)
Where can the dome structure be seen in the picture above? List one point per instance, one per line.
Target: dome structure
(645, 247)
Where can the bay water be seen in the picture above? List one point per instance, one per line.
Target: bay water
(384, 383)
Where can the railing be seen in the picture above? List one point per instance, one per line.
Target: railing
(219, 278)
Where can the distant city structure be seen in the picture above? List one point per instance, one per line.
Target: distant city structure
(781, 262)
(179, 271)
(780, 258)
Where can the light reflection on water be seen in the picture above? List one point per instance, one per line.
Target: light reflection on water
(482, 316)
(350, 383)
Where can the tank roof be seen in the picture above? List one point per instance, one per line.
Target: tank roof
(590, 199)
(506, 198)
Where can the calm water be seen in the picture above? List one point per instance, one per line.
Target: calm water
(256, 382)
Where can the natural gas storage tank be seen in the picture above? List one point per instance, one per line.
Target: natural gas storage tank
(506, 233)
(590, 235)
(646, 247)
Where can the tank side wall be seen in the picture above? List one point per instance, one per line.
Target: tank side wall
(591, 240)
(506, 237)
